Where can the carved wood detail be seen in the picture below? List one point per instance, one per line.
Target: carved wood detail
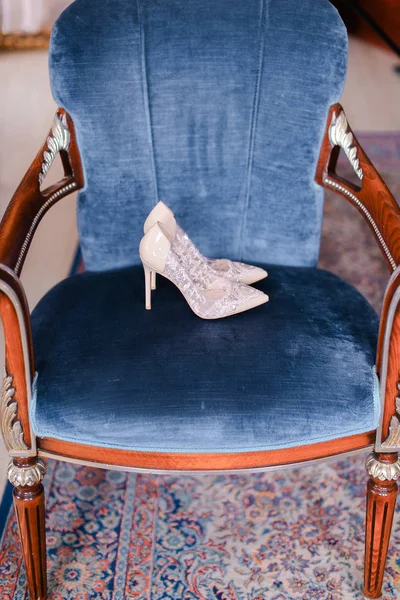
(376, 204)
(30, 510)
(29, 203)
(19, 223)
(26, 475)
(58, 140)
(341, 135)
(381, 501)
(372, 198)
(14, 313)
(11, 427)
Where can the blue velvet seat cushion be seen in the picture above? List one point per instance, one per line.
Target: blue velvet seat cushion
(295, 371)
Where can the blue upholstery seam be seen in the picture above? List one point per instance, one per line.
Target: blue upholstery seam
(146, 103)
(252, 129)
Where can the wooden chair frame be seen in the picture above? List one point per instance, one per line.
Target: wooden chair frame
(26, 470)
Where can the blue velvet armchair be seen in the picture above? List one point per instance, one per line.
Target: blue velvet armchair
(228, 112)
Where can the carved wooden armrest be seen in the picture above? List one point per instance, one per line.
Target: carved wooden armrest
(19, 369)
(371, 196)
(29, 203)
(378, 207)
(19, 223)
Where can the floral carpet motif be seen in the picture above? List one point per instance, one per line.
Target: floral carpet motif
(283, 535)
(290, 534)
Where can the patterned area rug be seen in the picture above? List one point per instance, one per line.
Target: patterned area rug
(290, 534)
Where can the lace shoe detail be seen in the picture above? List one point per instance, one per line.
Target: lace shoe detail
(210, 297)
(236, 271)
(204, 269)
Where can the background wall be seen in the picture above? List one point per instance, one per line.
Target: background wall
(29, 16)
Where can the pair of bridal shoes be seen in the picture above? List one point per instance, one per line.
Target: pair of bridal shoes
(213, 288)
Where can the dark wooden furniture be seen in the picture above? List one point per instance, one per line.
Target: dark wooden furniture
(29, 204)
(384, 14)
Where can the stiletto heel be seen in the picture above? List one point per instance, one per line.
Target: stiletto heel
(183, 246)
(209, 296)
(153, 280)
(147, 286)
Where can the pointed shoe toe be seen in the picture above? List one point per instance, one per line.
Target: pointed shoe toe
(250, 298)
(237, 271)
(252, 275)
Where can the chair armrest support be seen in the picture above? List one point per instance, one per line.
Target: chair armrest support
(371, 197)
(19, 367)
(376, 204)
(19, 223)
(388, 365)
(30, 203)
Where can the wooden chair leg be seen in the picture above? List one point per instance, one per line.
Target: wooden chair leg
(384, 470)
(26, 476)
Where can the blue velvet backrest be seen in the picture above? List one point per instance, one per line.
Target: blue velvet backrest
(216, 107)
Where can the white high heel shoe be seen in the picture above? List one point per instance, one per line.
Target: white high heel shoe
(183, 246)
(217, 298)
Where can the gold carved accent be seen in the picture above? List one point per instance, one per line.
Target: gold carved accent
(10, 426)
(393, 439)
(382, 471)
(340, 135)
(26, 476)
(58, 140)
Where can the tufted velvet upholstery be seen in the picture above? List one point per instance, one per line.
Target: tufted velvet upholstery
(297, 370)
(216, 107)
